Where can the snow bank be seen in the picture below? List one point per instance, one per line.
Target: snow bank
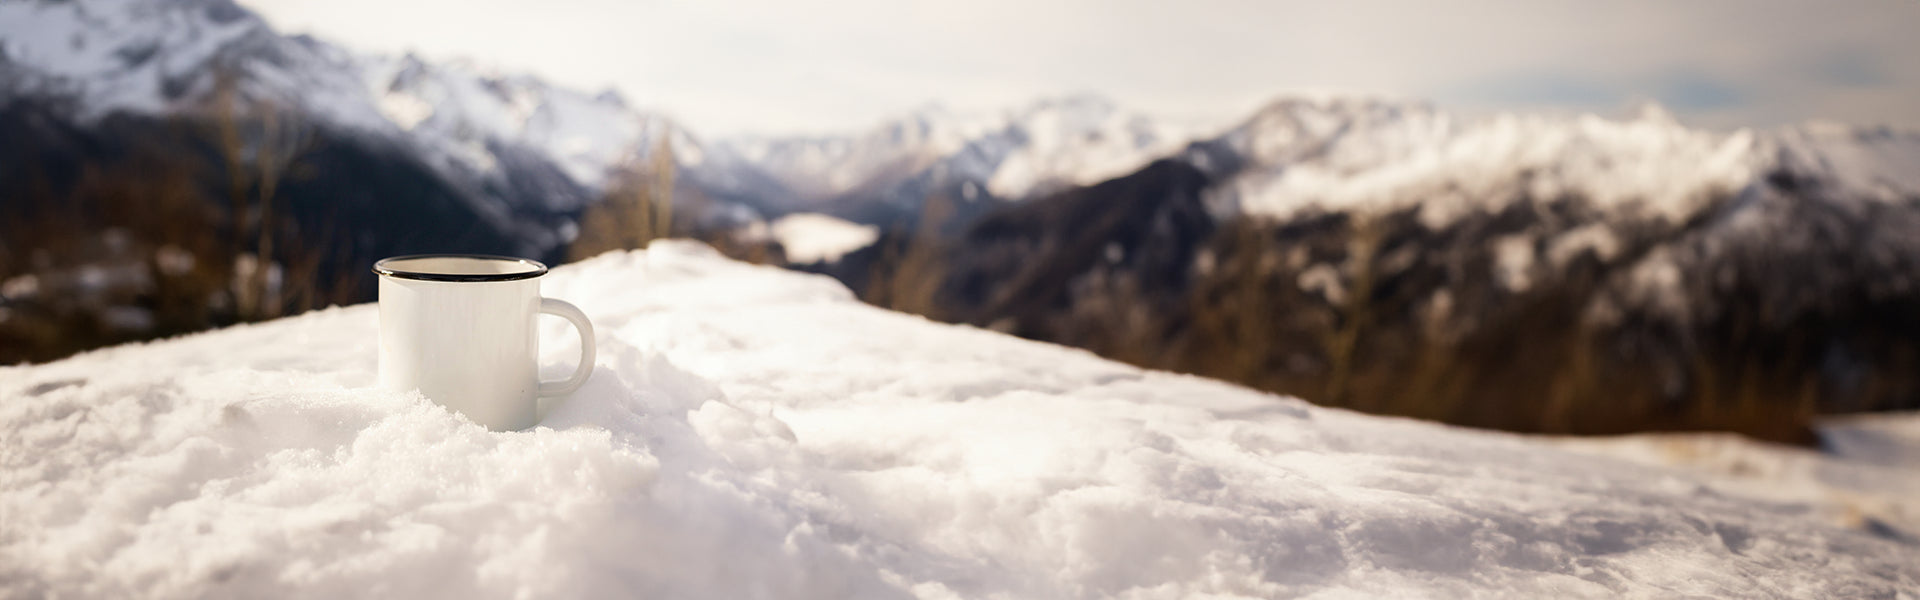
(1884, 439)
(814, 237)
(751, 432)
(1874, 495)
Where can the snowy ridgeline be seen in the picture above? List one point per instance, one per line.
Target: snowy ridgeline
(751, 432)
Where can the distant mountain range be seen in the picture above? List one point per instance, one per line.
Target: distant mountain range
(1546, 273)
(520, 150)
(885, 173)
(515, 144)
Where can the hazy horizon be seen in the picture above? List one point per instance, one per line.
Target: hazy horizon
(762, 67)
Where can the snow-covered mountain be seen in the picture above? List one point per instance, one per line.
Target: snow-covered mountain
(513, 145)
(150, 57)
(1674, 259)
(1351, 153)
(1313, 156)
(516, 143)
(1015, 154)
(471, 118)
(475, 118)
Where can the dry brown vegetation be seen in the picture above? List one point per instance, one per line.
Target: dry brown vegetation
(135, 248)
(636, 209)
(907, 277)
(1537, 364)
(640, 206)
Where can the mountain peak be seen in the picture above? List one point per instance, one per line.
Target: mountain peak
(1336, 104)
(611, 97)
(220, 11)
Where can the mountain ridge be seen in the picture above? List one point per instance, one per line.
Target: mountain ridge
(488, 131)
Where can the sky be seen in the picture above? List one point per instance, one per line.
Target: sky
(728, 67)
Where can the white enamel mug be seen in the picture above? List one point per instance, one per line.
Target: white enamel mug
(460, 329)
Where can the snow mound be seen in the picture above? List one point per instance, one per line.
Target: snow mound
(751, 432)
(1873, 494)
(1889, 440)
(814, 237)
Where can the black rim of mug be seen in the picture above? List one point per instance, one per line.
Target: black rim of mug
(383, 269)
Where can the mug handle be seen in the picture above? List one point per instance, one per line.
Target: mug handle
(561, 308)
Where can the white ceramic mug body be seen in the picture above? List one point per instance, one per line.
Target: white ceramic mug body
(460, 329)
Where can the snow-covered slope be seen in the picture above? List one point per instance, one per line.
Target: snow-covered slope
(814, 237)
(472, 115)
(1078, 140)
(826, 166)
(750, 432)
(1884, 439)
(155, 57)
(1881, 163)
(1861, 492)
(1698, 201)
(1012, 154)
(1354, 153)
(476, 118)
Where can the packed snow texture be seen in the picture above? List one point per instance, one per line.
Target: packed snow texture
(1859, 486)
(814, 237)
(752, 432)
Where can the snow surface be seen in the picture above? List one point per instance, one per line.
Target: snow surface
(752, 432)
(1871, 488)
(814, 237)
(1888, 440)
